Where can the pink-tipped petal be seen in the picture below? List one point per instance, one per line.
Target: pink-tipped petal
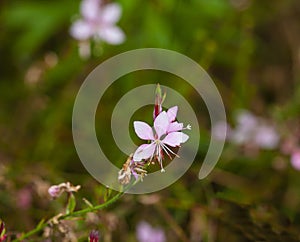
(111, 13)
(144, 152)
(81, 30)
(175, 139)
(111, 34)
(161, 124)
(143, 130)
(175, 126)
(172, 113)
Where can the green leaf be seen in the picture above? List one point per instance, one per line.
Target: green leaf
(234, 196)
(40, 224)
(71, 204)
(107, 193)
(36, 22)
(87, 202)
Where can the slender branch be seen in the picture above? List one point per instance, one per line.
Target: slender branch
(92, 209)
(176, 228)
(42, 225)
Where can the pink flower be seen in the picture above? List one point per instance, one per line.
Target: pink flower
(98, 22)
(295, 159)
(146, 233)
(254, 131)
(166, 134)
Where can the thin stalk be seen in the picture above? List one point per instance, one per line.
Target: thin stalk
(42, 225)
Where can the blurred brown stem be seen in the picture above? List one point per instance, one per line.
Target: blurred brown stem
(177, 229)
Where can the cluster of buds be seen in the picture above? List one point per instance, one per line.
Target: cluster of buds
(2, 231)
(131, 168)
(56, 190)
(162, 137)
(94, 236)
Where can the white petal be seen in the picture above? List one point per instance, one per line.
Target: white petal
(144, 152)
(81, 30)
(246, 119)
(111, 34)
(175, 126)
(172, 113)
(143, 130)
(175, 139)
(111, 13)
(239, 136)
(161, 124)
(266, 137)
(90, 9)
(221, 130)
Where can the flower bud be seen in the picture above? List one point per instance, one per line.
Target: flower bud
(94, 236)
(55, 191)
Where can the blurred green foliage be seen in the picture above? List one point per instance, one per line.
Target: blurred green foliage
(251, 50)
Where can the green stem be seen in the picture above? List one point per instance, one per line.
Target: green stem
(42, 225)
(92, 209)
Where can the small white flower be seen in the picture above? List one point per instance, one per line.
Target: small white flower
(98, 22)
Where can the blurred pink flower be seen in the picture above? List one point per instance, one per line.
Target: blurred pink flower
(166, 134)
(266, 137)
(220, 129)
(146, 233)
(254, 131)
(295, 159)
(245, 129)
(24, 198)
(98, 22)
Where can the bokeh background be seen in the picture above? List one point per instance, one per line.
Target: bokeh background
(250, 48)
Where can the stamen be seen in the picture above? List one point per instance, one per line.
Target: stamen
(170, 151)
(165, 150)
